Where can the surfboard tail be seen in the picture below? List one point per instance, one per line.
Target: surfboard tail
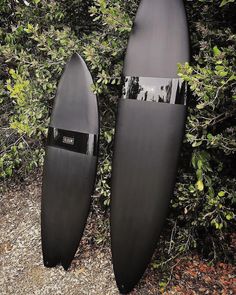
(65, 203)
(147, 144)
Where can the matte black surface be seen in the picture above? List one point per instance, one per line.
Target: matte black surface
(149, 131)
(70, 165)
(147, 143)
(159, 40)
(75, 106)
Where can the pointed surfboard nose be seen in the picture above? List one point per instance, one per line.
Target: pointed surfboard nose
(75, 106)
(126, 284)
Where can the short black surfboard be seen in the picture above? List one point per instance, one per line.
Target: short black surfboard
(70, 165)
(149, 132)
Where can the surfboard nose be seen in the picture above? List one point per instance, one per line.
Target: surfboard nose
(75, 106)
(159, 40)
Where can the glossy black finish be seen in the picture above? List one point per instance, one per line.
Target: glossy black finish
(149, 131)
(70, 165)
(163, 90)
(78, 142)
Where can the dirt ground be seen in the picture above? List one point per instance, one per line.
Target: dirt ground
(22, 270)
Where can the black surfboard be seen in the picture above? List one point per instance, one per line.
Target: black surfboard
(149, 132)
(70, 165)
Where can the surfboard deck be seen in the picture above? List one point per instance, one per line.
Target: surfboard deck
(148, 137)
(70, 165)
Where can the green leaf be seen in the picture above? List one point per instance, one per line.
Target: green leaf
(200, 185)
(220, 68)
(209, 136)
(9, 171)
(230, 216)
(224, 2)
(216, 51)
(200, 106)
(197, 143)
(199, 164)
(221, 194)
(222, 73)
(199, 174)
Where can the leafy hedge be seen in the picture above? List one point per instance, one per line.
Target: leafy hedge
(38, 36)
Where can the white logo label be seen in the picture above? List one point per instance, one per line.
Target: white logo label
(68, 140)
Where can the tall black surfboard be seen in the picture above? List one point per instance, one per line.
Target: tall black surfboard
(149, 131)
(70, 165)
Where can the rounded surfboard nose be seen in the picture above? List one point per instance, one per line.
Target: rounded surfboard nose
(159, 40)
(70, 165)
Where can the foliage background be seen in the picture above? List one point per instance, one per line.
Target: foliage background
(36, 39)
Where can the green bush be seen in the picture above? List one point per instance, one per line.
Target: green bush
(36, 39)
(204, 203)
(34, 47)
